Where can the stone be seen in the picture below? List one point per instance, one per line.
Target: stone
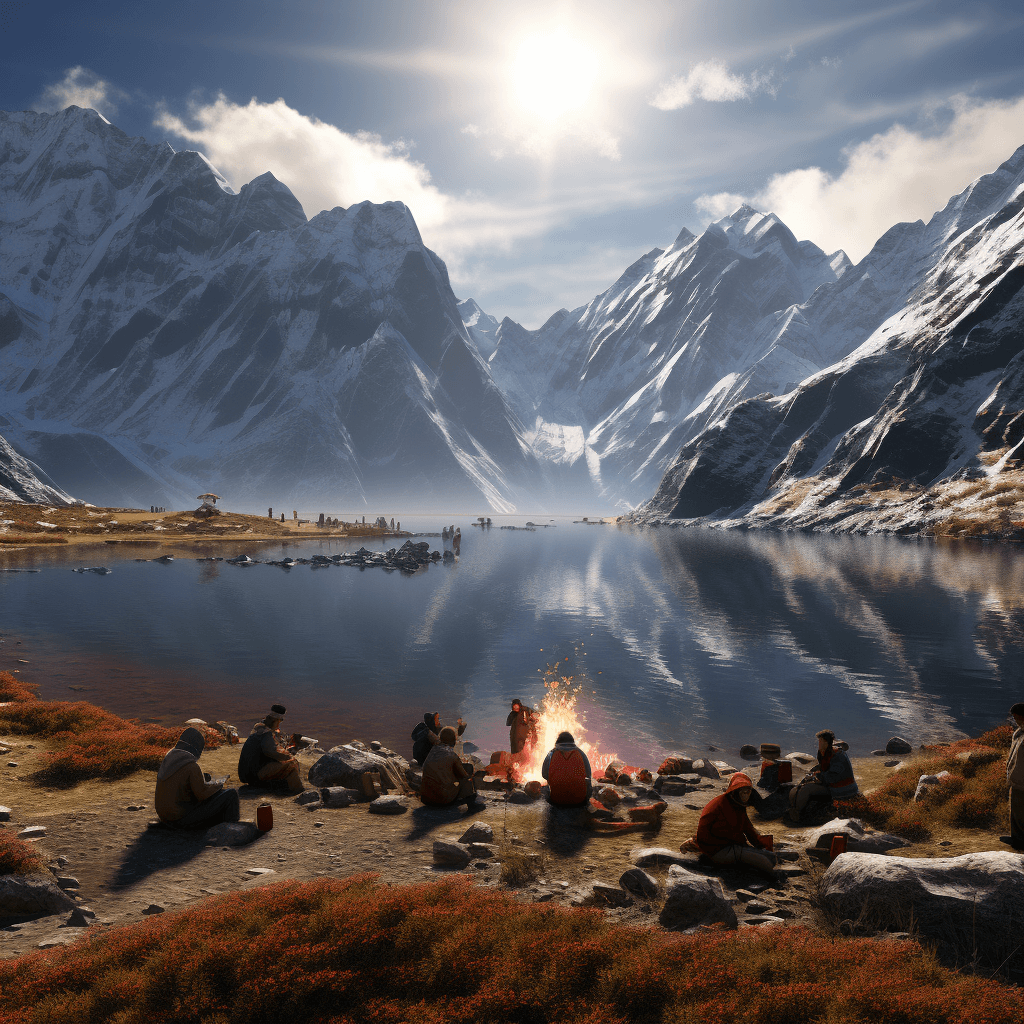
(859, 838)
(5, 813)
(879, 753)
(672, 785)
(613, 894)
(32, 832)
(375, 744)
(308, 796)
(478, 832)
(967, 903)
(451, 855)
(656, 856)
(756, 906)
(706, 769)
(841, 745)
(33, 894)
(983, 755)
(898, 745)
(259, 872)
(344, 765)
(67, 881)
(339, 796)
(79, 918)
(480, 850)
(229, 732)
(693, 901)
(791, 870)
(892, 764)
(519, 796)
(763, 920)
(928, 782)
(154, 908)
(784, 912)
(749, 752)
(232, 833)
(638, 882)
(196, 723)
(801, 758)
(393, 804)
(607, 796)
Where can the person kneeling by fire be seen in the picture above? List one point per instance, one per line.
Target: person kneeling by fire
(185, 796)
(446, 780)
(265, 758)
(725, 834)
(831, 778)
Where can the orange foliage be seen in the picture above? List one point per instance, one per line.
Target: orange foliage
(448, 952)
(17, 857)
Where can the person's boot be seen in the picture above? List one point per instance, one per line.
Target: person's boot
(1016, 844)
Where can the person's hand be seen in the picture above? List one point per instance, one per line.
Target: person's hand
(460, 722)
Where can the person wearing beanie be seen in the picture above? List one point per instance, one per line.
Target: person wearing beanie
(427, 734)
(725, 833)
(184, 797)
(568, 773)
(831, 778)
(446, 779)
(265, 758)
(1015, 781)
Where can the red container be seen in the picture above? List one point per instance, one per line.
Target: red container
(838, 846)
(768, 841)
(785, 771)
(264, 817)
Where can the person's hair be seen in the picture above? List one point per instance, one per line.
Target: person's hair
(1017, 709)
(271, 719)
(565, 737)
(826, 734)
(448, 736)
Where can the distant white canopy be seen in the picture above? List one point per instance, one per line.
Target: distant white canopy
(204, 497)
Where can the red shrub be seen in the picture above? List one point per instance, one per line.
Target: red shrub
(448, 952)
(15, 689)
(16, 856)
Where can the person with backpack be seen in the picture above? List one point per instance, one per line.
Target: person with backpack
(265, 758)
(567, 770)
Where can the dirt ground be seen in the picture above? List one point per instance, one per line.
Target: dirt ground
(40, 524)
(123, 866)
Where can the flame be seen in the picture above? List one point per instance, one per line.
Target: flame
(558, 712)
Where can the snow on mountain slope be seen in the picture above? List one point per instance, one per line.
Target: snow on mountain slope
(922, 425)
(160, 333)
(22, 480)
(482, 327)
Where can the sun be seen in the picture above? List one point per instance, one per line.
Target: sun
(552, 75)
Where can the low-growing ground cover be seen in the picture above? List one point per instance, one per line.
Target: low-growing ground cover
(976, 796)
(90, 742)
(447, 951)
(16, 856)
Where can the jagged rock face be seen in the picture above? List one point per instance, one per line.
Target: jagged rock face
(684, 334)
(22, 480)
(936, 391)
(160, 333)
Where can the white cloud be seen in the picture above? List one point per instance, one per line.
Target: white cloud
(81, 87)
(539, 141)
(713, 81)
(897, 175)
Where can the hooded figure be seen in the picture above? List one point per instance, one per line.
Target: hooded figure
(567, 770)
(265, 758)
(1015, 781)
(183, 796)
(427, 734)
(725, 833)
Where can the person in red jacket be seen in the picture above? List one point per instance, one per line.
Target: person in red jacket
(725, 834)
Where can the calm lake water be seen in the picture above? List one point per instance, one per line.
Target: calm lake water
(681, 639)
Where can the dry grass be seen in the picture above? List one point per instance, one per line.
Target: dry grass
(16, 856)
(34, 538)
(91, 743)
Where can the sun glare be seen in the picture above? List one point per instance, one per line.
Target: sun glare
(552, 75)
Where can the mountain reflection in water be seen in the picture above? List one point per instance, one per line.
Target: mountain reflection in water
(682, 638)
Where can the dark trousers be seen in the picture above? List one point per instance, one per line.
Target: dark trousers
(222, 806)
(1017, 815)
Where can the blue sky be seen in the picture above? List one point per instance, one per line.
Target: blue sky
(543, 147)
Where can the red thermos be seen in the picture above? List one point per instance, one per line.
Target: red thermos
(264, 817)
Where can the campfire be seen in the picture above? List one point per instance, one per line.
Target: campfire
(559, 711)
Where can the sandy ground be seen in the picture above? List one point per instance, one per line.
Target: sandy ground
(40, 524)
(124, 866)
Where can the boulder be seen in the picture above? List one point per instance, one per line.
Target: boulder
(706, 769)
(339, 796)
(926, 783)
(694, 901)
(451, 855)
(749, 752)
(898, 745)
(197, 723)
(801, 758)
(32, 832)
(638, 882)
(344, 765)
(5, 813)
(478, 832)
(34, 894)
(308, 796)
(607, 796)
(393, 804)
(480, 851)
(859, 839)
(672, 785)
(980, 756)
(519, 796)
(232, 833)
(967, 903)
(656, 856)
(613, 894)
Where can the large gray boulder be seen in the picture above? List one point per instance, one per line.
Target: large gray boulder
(898, 745)
(859, 839)
(656, 856)
(971, 906)
(694, 901)
(35, 894)
(451, 855)
(232, 833)
(344, 765)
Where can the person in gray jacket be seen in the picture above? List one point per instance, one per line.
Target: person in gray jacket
(1015, 780)
(832, 777)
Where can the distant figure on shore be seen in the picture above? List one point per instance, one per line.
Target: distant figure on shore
(446, 540)
(457, 542)
(392, 524)
(185, 797)
(427, 735)
(568, 773)
(725, 833)
(446, 780)
(522, 725)
(265, 758)
(1015, 780)
(832, 777)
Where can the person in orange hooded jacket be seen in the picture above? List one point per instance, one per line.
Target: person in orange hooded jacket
(725, 833)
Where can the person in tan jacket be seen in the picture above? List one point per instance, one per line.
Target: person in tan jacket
(1015, 780)
(184, 797)
(265, 758)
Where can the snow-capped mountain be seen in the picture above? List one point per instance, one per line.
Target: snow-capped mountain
(621, 384)
(482, 327)
(22, 480)
(922, 423)
(161, 335)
